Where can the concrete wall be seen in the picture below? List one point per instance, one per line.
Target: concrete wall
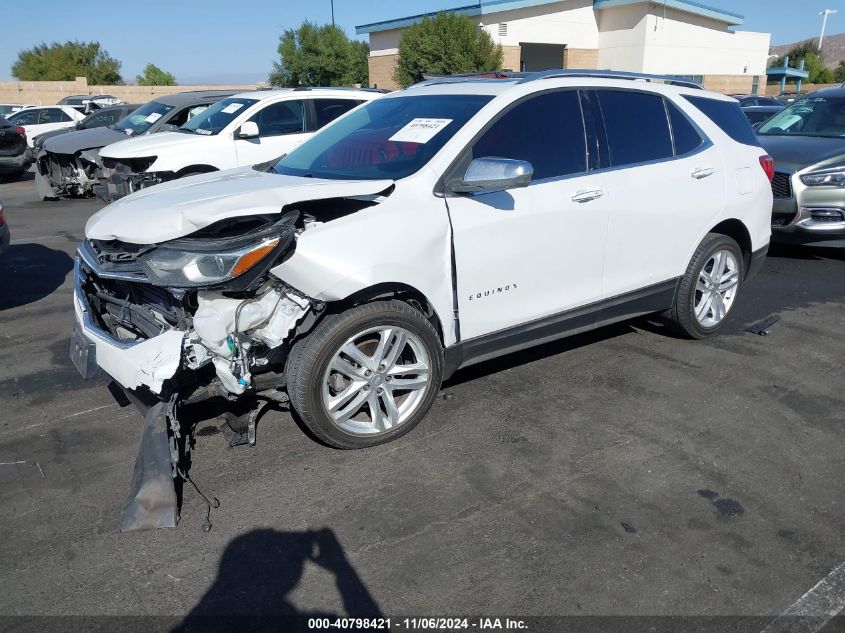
(680, 45)
(581, 58)
(381, 71)
(50, 92)
(571, 22)
(511, 56)
(622, 38)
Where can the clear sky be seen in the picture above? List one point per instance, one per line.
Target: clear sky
(219, 41)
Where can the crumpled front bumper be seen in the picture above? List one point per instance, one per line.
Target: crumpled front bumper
(132, 364)
(114, 185)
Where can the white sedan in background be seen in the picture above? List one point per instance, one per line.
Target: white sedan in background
(244, 129)
(40, 119)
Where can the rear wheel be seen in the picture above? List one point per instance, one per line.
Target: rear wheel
(709, 288)
(366, 376)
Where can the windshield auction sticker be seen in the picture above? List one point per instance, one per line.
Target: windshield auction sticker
(232, 108)
(152, 118)
(420, 130)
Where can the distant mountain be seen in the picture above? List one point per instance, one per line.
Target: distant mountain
(833, 49)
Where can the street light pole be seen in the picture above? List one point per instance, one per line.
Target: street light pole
(333, 15)
(824, 13)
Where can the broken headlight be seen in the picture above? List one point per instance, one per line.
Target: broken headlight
(177, 268)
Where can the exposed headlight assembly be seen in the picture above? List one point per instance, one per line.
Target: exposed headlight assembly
(825, 178)
(178, 268)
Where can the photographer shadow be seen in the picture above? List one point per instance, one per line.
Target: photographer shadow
(257, 573)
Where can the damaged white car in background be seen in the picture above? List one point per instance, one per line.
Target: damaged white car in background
(427, 230)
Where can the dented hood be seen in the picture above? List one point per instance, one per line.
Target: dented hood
(79, 140)
(180, 207)
(153, 144)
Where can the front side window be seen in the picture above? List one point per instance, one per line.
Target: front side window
(810, 116)
(636, 127)
(24, 117)
(214, 118)
(392, 137)
(143, 118)
(546, 130)
(278, 119)
(327, 110)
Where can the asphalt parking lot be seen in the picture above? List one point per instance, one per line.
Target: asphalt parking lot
(625, 472)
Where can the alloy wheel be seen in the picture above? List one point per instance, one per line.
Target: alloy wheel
(376, 380)
(716, 288)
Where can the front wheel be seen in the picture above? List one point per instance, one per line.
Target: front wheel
(709, 288)
(366, 376)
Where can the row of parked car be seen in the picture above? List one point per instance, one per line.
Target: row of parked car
(170, 137)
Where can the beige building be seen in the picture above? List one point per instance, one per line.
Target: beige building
(674, 37)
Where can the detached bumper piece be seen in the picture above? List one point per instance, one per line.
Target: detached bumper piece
(152, 501)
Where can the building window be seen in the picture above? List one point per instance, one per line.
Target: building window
(503, 29)
(755, 85)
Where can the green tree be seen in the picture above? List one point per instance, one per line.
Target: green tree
(813, 62)
(155, 76)
(67, 61)
(319, 56)
(445, 44)
(839, 73)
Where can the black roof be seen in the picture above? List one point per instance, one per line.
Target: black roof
(195, 96)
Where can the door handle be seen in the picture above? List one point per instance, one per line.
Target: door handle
(703, 172)
(587, 196)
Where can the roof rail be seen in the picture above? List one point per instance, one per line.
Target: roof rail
(610, 74)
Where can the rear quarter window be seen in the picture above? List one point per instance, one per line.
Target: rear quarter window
(728, 116)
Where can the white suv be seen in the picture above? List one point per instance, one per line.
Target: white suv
(244, 129)
(436, 227)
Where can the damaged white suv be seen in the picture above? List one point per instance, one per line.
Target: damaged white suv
(436, 227)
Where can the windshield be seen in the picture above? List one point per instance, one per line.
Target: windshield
(387, 138)
(142, 119)
(809, 116)
(7, 109)
(214, 118)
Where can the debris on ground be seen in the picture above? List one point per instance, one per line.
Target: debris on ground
(761, 328)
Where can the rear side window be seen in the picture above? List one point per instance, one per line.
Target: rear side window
(546, 130)
(636, 127)
(728, 116)
(327, 110)
(686, 137)
(280, 118)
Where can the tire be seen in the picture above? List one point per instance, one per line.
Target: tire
(698, 284)
(322, 374)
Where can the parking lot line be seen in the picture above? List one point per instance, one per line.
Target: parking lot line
(812, 611)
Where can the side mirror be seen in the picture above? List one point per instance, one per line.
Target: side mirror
(493, 174)
(249, 129)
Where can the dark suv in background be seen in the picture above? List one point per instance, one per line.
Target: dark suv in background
(15, 156)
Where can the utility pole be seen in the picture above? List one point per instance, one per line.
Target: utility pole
(824, 15)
